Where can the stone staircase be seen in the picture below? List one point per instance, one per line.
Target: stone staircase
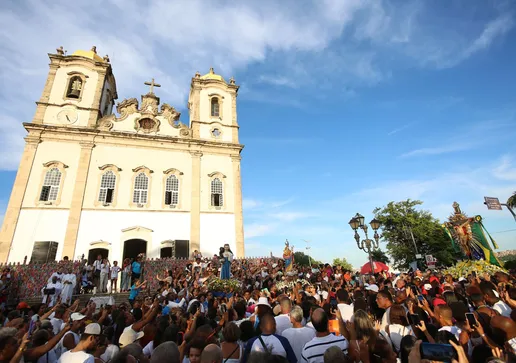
(84, 298)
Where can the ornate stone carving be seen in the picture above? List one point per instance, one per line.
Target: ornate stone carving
(149, 104)
(127, 107)
(106, 58)
(106, 123)
(146, 124)
(170, 114)
(60, 50)
(185, 132)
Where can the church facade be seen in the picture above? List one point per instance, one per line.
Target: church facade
(140, 181)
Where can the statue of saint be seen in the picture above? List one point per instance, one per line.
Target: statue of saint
(288, 256)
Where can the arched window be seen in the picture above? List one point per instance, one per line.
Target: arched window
(141, 186)
(172, 190)
(215, 107)
(74, 87)
(107, 187)
(217, 198)
(50, 189)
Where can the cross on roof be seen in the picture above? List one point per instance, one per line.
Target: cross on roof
(152, 84)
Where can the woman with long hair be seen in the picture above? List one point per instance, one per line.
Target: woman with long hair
(363, 336)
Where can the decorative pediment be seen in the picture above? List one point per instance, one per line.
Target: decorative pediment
(127, 107)
(100, 244)
(173, 171)
(109, 166)
(170, 114)
(142, 168)
(55, 163)
(216, 174)
(137, 229)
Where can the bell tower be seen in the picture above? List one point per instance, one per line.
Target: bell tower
(212, 106)
(80, 89)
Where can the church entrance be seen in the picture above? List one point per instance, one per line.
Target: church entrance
(182, 248)
(133, 247)
(166, 252)
(94, 252)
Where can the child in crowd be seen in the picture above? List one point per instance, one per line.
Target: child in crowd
(135, 290)
(114, 276)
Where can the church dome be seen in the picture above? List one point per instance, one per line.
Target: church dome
(212, 75)
(91, 54)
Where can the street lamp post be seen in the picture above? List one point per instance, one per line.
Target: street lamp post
(367, 244)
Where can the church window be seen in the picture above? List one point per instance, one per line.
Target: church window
(215, 107)
(216, 133)
(217, 198)
(107, 187)
(50, 188)
(74, 87)
(141, 186)
(172, 190)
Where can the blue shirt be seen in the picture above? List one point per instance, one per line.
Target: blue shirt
(136, 266)
(134, 292)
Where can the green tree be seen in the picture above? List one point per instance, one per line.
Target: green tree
(343, 263)
(380, 256)
(511, 202)
(304, 260)
(402, 220)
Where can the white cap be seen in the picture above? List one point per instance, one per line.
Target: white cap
(372, 287)
(427, 287)
(77, 316)
(129, 336)
(263, 301)
(462, 278)
(93, 329)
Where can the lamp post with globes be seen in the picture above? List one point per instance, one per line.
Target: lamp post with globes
(367, 244)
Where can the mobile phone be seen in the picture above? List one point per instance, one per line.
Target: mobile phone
(437, 352)
(31, 327)
(512, 343)
(421, 298)
(413, 319)
(474, 274)
(471, 319)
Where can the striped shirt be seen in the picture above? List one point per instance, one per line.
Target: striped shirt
(314, 350)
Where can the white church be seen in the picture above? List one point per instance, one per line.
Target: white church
(140, 181)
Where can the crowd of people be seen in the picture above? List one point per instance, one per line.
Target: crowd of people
(310, 314)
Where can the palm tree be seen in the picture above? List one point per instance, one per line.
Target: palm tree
(511, 202)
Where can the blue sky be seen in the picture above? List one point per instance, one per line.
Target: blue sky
(343, 106)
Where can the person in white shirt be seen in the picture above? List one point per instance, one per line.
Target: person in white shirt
(384, 301)
(69, 282)
(398, 328)
(105, 267)
(283, 320)
(71, 338)
(492, 298)
(115, 270)
(97, 264)
(87, 342)
(344, 306)
(298, 335)
(51, 292)
(313, 351)
(269, 342)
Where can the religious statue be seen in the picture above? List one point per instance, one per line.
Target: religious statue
(226, 257)
(288, 256)
(469, 236)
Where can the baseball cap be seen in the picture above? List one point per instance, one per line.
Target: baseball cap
(93, 329)
(77, 316)
(129, 336)
(22, 305)
(427, 287)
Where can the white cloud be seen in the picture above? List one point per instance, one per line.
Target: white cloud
(438, 150)
(256, 230)
(248, 204)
